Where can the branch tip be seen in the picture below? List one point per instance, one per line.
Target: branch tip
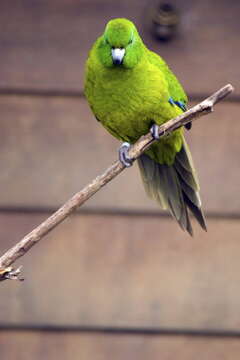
(11, 274)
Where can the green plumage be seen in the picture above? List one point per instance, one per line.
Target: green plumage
(128, 99)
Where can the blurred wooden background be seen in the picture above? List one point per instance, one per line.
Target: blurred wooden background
(119, 279)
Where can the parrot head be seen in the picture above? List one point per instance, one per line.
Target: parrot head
(120, 45)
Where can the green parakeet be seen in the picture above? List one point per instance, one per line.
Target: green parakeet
(131, 90)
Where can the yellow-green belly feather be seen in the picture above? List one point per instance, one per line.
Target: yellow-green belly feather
(128, 102)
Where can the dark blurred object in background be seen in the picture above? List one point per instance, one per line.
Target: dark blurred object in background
(165, 19)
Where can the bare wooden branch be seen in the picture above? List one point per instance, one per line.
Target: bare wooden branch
(203, 108)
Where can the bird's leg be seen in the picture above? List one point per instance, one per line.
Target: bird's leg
(123, 154)
(154, 130)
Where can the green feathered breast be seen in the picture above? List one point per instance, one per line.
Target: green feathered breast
(128, 98)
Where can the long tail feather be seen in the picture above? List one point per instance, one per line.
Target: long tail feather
(174, 187)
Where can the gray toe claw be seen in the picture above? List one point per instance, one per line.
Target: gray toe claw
(155, 131)
(123, 154)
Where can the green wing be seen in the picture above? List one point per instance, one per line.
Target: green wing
(175, 88)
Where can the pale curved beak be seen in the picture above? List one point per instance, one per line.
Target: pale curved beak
(117, 56)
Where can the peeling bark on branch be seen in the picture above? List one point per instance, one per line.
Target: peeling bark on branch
(203, 108)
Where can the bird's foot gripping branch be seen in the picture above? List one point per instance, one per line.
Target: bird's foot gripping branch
(25, 244)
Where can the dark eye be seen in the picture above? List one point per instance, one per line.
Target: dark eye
(130, 41)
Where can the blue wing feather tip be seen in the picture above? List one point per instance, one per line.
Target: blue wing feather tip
(180, 104)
